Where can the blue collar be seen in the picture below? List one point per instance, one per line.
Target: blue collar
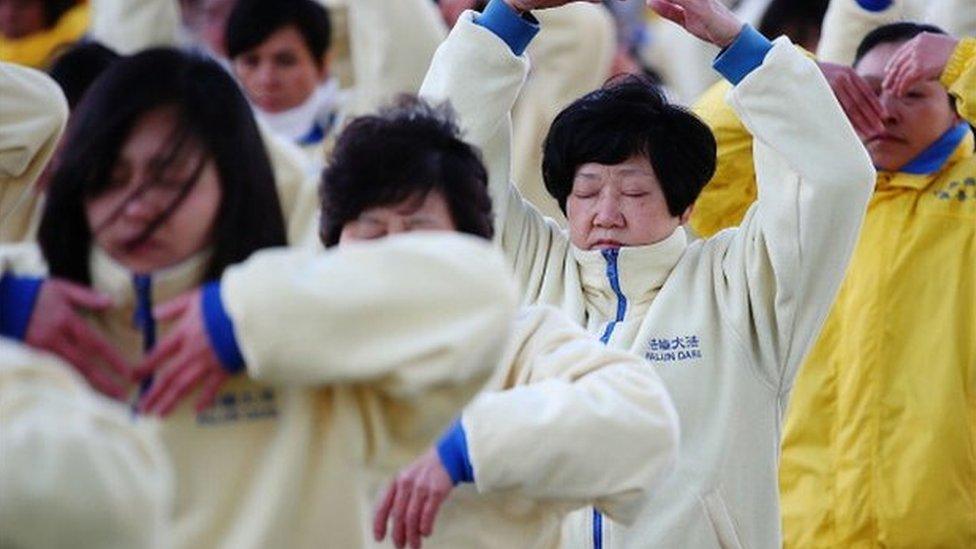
(934, 157)
(314, 135)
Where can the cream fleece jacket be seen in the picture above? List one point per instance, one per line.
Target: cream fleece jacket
(557, 385)
(847, 22)
(355, 358)
(33, 112)
(76, 469)
(726, 321)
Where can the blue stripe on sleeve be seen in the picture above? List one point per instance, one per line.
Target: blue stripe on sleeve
(220, 329)
(453, 451)
(516, 30)
(18, 295)
(875, 5)
(742, 56)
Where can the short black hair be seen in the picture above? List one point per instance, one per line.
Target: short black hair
(630, 116)
(407, 150)
(251, 22)
(79, 66)
(211, 113)
(55, 9)
(800, 20)
(892, 33)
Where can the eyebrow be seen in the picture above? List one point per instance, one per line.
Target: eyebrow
(587, 175)
(633, 171)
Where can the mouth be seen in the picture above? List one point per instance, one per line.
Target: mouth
(604, 243)
(135, 246)
(886, 138)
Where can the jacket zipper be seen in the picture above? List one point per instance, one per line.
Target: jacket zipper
(144, 320)
(613, 275)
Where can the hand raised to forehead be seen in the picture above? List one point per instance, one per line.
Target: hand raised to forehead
(921, 58)
(856, 97)
(708, 20)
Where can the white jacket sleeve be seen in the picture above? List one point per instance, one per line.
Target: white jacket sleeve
(481, 77)
(129, 26)
(781, 269)
(575, 423)
(402, 313)
(77, 469)
(33, 112)
(846, 23)
(957, 17)
(564, 67)
(391, 46)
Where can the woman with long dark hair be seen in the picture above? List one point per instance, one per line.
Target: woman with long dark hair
(163, 186)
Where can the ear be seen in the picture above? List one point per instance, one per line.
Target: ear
(686, 215)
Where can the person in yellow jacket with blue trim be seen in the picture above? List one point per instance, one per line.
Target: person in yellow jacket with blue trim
(879, 440)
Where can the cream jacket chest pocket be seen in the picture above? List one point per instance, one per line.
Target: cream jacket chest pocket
(720, 519)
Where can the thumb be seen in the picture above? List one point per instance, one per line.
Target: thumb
(83, 296)
(175, 307)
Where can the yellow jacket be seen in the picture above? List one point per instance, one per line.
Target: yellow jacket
(37, 49)
(880, 440)
(355, 357)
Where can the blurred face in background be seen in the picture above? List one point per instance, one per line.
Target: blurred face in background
(20, 18)
(280, 73)
(418, 213)
(146, 182)
(212, 23)
(913, 122)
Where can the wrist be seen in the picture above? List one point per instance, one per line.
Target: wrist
(516, 6)
(731, 31)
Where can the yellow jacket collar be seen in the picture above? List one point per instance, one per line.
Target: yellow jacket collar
(115, 280)
(920, 181)
(638, 271)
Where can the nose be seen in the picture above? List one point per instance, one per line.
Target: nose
(890, 102)
(141, 208)
(396, 226)
(265, 75)
(608, 212)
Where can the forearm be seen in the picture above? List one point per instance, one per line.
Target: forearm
(814, 181)
(33, 113)
(411, 310)
(622, 411)
(392, 44)
(847, 22)
(130, 26)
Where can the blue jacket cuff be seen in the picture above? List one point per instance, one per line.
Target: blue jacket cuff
(875, 5)
(743, 55)
(220, 330)
(18, 294)
(516, 30)
(453, 451)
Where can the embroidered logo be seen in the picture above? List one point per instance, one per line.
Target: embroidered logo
(246, 405)
(673, 349)
(962, 190)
